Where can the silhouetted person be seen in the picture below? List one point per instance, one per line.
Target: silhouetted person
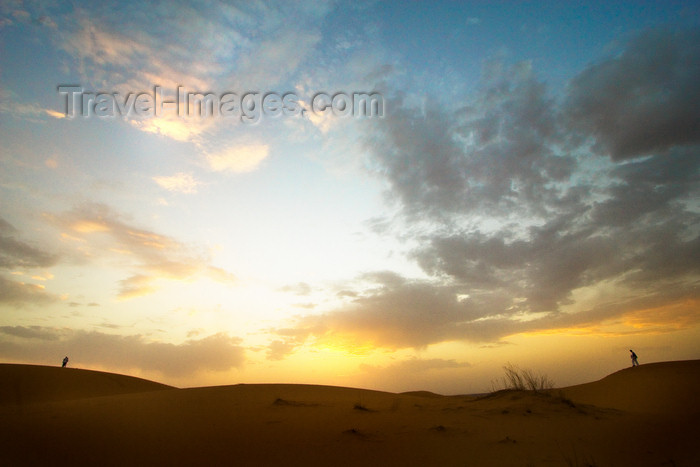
(633, 356)
(65, 362)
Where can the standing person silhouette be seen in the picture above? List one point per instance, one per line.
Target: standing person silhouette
(65, 362)
(633, 356)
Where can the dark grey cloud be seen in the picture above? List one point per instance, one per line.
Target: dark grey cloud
(418, 314)
(218, 352)
(512, 213)
(496, 154)
(398, 312)
(652, 186)
(643, 101)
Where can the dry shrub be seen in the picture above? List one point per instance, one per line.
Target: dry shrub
(518, 379)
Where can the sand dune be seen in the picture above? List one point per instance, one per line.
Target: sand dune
(27, 384)
(667, 387)
(126, 421)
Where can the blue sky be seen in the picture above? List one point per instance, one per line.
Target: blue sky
(529, 193)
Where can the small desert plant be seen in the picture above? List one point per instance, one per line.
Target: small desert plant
(362, 408)
(562, 397)
(517, 379)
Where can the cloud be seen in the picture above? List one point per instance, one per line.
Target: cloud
(300, 288)
(670, 316)
(495, 154)
(151, 256)
(18, 254)
(180, 182)
(46, 21)
(10, 105)
(218, 352)
(518, 226)
(117, 49)
(644, 100)
(203, 47)
(418, 314)
(394, 312)
(19, 293)
(196, 45)
(136, 286)
(415, 366)
(278, 349)
(103, 46)
(30, 332)
(416, 374)
(174, 127)
(243, 158)
(15, 253)
(16, 12)
(54, 114)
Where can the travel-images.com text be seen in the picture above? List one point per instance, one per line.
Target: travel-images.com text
(249, 107)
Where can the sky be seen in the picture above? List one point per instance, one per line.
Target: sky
(387, 195)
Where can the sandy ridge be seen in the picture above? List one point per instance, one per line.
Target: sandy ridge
(308, 425)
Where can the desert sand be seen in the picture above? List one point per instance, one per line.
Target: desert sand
(643, 416)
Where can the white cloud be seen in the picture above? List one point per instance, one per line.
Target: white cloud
(244, 158)
(177, 128)
(198, 48)
(180, 182)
